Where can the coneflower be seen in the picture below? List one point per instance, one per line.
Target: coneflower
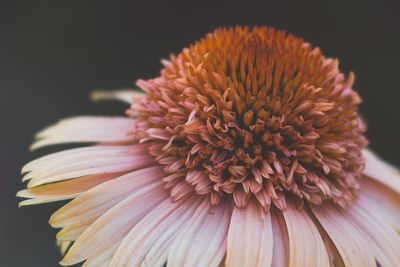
(247, 150)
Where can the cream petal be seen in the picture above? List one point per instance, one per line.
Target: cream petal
(72, 232)
(163, 222)
(202, 243)
(306, 247)
(118, 160)
(101, 264)
(280, 253)
(383, 240)
(352, 247)
(381, 171)
(102, 258)
(250, 238)
(111, 227)
(126, 95)
(85, 129)
(63, 246)
(93, 203)
(63, 190)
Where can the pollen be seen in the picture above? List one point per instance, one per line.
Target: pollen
(254, 113)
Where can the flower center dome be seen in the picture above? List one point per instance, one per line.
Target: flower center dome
(254, 113)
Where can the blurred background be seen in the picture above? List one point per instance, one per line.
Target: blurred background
(54, 53)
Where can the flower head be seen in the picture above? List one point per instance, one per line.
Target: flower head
(254, 112)
(247, 150)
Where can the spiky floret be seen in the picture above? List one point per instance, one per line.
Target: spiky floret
(254, 113)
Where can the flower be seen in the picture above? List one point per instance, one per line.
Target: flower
(247, 150)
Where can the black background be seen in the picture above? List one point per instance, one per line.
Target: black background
(53, 53)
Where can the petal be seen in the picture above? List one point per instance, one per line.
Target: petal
(158, 253)
(382, 200)
(111, 227)
(383, 240)
(102, 259)
(93, 203)
(72, 232)
(127, 95)
(63, 246)
(100, 264)
(280, 253)
(71, 155)
(381, 171)
(63, 190)
(85, 129)
(351, 246)
(250, 237)
(334, 257)
(203, 241)
(119, 159)
(162, 223)
(306, 247)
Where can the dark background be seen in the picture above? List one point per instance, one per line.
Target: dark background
(53, 53)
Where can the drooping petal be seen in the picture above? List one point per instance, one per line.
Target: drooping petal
(202, 243)
(76, 154)
(63, 190)
(280, 253)
(306, 247)
(72, 232)
(382, 200)
(383, 240)
(352, 247)
(89, 263)
(250, 238)
(118, 159)
(163, 222)
(101, 259)
(63, 246)
(127, 95)
(85, 129)
(381, 171)
(93, 203)
(333, 254)
(158, 253)
(111, 227)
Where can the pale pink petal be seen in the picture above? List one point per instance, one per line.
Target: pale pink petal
(111, 227)
(334, 256)
(85, 129)
(280, 253)
(202, 242)
(158, 253)
(250, 238)
(163, 223)
(382, 200)
(93, 203)
(383, 241)
(127, 95)
(120, 159)
(352, 247)
(70, 155)
(306, 247)
(63, 190)
(381, 171)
